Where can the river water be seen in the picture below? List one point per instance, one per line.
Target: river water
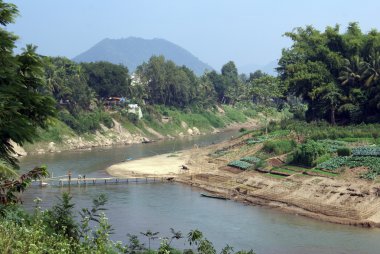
(135, 208)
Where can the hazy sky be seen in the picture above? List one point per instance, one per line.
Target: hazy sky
(216, 31)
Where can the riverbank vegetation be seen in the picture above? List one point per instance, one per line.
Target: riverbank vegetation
(60, 230)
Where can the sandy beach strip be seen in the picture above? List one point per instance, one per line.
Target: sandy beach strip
(159, 165)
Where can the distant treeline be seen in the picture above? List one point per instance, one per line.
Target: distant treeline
(83, 86)
(336, 75)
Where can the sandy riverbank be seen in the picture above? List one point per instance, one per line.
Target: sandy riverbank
(159, 165)
(346, 201)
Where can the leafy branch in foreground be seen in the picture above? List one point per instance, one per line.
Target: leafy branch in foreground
(10, 187)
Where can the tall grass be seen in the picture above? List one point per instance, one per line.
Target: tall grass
(279, 146)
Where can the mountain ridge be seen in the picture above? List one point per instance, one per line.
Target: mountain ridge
(133, 51)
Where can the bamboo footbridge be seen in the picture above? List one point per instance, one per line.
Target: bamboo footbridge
(57, 181)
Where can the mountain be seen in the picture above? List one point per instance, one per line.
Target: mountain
(268, 68)
(133, 51)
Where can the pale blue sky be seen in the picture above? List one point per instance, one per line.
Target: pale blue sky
(216, 31)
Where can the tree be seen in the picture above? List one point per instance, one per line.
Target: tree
(167, 83)
(231, 82)
(24, 105)
(194, 237)
(108, 79)
(371, 73)
(175, 235)
(60, 218)
(352, 69)
(11, 184)
(255, 75)
(218, 83)
(330, 94)
(68, 84)
(265, 90)
(150, 235)
(347, 63)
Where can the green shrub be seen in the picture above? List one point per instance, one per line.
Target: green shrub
(133, 118)
(106, 119)
(68, 119)
(84, 122)
(87, 122)
(308, 153)
(344, 151)
(279, 146)
(323, 158)
(242, 129)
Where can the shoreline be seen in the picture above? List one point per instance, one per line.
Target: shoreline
(123, 138)
(330, 200)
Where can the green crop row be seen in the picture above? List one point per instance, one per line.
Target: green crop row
(263, 138)
(366, 151)
(334, 163)
(240, 164)
(372, 163)
(333, 145)
(251, 159)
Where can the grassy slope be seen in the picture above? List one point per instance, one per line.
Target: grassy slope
(205, 121)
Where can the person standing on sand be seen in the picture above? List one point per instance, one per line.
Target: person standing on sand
(69, 174)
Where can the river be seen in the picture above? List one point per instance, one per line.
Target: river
(135, 208)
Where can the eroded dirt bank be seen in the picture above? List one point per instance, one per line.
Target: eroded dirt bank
(117, 135)
(345, 200)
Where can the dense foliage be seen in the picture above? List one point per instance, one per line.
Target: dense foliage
(307, 153)
(108, 79)
(23, 104)
(337, 74)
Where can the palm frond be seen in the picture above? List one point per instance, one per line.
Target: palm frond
(6, 171)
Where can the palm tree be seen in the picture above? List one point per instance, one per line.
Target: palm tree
(331, 94)
(175, 235)
(150, 235)
(194, 236)
(371, 73)
(351, 71)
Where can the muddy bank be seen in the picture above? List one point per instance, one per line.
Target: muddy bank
(282, 205)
